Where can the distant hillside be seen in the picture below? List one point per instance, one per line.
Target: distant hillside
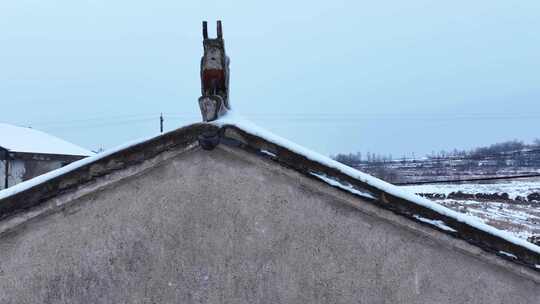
(500, 159)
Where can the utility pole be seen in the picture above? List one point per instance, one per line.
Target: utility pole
(161, 123)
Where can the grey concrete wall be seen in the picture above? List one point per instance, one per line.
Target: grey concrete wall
(223, 227)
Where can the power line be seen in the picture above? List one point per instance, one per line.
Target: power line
(103, 124)
(89, 119)
(307, 117)
(491, 178)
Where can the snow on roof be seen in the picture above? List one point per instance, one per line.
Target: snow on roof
(21, 139)
(20, 187)
(233, 119)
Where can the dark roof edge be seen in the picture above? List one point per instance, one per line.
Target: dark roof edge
(46, 156)
(36, 191)
(421, 214)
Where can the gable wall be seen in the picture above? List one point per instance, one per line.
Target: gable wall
(224, 227)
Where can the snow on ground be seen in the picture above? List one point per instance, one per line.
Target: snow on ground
(521, 219)
(20, 139)
(514, 188)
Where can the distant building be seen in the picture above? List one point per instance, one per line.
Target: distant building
(26, 153)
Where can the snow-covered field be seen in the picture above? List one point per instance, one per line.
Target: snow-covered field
(513, 214)
(514, 188)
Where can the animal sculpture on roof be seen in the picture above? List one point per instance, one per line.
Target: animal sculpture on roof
(214, 101)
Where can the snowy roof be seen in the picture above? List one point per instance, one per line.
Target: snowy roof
(232, 119)
(239, 132)
(21, 139)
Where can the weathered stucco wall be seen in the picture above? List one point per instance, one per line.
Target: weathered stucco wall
(225, 227)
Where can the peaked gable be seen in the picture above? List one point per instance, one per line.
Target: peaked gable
(236, 132)
(229, 226)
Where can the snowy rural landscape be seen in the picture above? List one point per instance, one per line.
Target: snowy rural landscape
(513, 206)
(269, 152)
(499, 184)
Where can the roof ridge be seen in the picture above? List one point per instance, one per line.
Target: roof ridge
(235, 130)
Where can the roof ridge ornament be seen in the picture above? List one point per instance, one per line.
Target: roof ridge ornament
(214, 101)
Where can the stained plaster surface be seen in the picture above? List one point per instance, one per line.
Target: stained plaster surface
(223, 226)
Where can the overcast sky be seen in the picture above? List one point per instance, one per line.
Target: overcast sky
(336, 76)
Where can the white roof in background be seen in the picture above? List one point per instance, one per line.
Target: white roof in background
(20, 139)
